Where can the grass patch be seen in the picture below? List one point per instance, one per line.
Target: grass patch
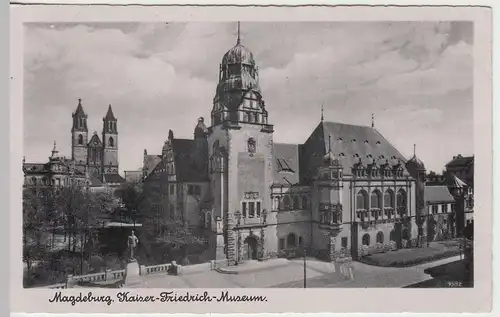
(410, 257)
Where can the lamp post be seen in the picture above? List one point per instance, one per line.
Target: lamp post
(305, 268)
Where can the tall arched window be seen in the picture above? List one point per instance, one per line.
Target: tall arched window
(389, 199)
(304, 202)
(380, 237)
(286, 202)
(362, 200)
(296, 202)
(376, 199)
(111, 142)
(251, 145)
(291, 240)
(401, 198)
(366, 239)
(80, 139)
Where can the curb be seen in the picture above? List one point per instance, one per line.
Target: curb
(224, 271)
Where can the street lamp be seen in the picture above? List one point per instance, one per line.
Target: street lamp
(457, 190)
(305, 268)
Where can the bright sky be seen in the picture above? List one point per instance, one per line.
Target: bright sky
(417, 78)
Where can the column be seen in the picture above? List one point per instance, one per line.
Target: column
(333, 240)
(231, 240)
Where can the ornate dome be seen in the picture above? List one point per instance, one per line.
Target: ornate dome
(415, 161)
(238, 55)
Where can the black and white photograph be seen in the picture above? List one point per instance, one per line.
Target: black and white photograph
(241, 154)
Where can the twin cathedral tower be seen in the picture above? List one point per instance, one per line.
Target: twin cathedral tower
(99, 156)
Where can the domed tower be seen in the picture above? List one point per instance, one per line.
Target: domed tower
(238, 96)
(240, 151)
(79, 136)
(416, 168)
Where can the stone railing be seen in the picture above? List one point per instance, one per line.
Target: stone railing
(160, 268)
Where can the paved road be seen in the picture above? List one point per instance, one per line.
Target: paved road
(289, 274)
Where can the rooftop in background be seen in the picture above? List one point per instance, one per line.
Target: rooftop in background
(459, 161)
(438, 194)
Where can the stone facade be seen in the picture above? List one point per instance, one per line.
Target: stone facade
(344, 193)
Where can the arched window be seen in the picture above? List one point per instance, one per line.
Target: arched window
(80, 139)
(286, 202)
(291, 240)
(111, 142)
(366, 239)
(406, 234)
(401, 198)
(304, 202)
(392, 235)
(362, 200)
(296, 202)
(376, 199)
(380, 237)
(389, 199)
(251, 145)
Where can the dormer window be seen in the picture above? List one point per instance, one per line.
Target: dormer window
(366, 141)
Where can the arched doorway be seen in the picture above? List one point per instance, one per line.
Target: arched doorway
(251, 248)
(291, 241)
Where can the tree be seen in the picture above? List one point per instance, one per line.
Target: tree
(35, 226)
(163, 229)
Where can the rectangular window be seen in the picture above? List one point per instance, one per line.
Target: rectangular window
(172, 189)
(444, 209)
(344, 242)
(452, 207)
(434, 209)
(282, 244)
(244, 210)
(190, 190)
(251, 209)
(258, 209)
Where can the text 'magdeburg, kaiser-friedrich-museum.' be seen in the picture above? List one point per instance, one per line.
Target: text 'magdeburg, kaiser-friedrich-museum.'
(343, 193)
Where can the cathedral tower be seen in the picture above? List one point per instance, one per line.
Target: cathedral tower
(79, 135)
(240, 152)
(110, 143)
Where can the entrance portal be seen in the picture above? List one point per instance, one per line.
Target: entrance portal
(251, 246)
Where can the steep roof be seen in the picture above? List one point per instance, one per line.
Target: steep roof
(113, 178)
(150, 162)
(459, 161)
(79, 109)
(110, 115)
(438, 194)
(350, 144)
(347, 141)
(286, 163)
(186, 161)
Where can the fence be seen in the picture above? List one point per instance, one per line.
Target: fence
(114, 276)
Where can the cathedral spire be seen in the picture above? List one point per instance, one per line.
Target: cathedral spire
(238, 40)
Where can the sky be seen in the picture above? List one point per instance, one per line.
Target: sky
(415, 77)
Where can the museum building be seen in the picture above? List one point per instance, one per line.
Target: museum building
(343, 193)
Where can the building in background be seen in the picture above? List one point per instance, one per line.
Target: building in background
(94, 162)
(463, 168)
